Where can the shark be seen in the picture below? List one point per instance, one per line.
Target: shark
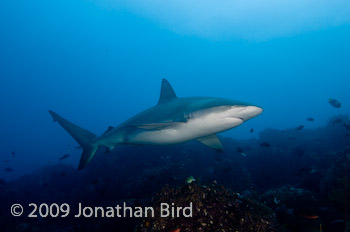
(172, 120)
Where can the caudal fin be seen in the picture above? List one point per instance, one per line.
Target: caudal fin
(82, 136)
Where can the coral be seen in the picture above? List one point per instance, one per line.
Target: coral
(215, 208)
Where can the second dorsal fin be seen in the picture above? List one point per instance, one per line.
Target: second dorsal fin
(166, 92)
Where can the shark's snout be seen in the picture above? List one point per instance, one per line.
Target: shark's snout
(246, 112)
(253, 111)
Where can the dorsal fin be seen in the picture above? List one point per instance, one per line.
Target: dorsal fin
(166, 92)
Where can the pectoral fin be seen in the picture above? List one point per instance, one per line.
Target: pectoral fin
(108, 129)
(211, 141)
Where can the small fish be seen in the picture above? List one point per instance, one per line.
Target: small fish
(175, 230)
(347, 135)
(251, 130)
(265, 144)
(13, 154)
(8, 169)
(311, 217)
(347, 127)
(239, 149)
(299, 128)
(310, 119)
(335, 103)
(276, 200)
(243, 154)
(6, 161)
(337, 121)
(227, 170)
(65, 156)
(190, 179)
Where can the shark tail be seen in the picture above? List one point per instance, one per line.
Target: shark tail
(82, 136)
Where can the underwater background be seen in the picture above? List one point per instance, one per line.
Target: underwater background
(97, 63)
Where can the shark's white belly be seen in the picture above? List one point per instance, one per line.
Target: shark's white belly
(193, 129)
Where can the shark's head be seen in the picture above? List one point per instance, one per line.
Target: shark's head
(228, 108)
(216, 114)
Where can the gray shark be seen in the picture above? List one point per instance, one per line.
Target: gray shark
(173, 120)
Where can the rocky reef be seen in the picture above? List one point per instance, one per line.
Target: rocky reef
(215, 208)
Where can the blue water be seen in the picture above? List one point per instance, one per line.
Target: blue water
(99, 62)
(97, 65)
